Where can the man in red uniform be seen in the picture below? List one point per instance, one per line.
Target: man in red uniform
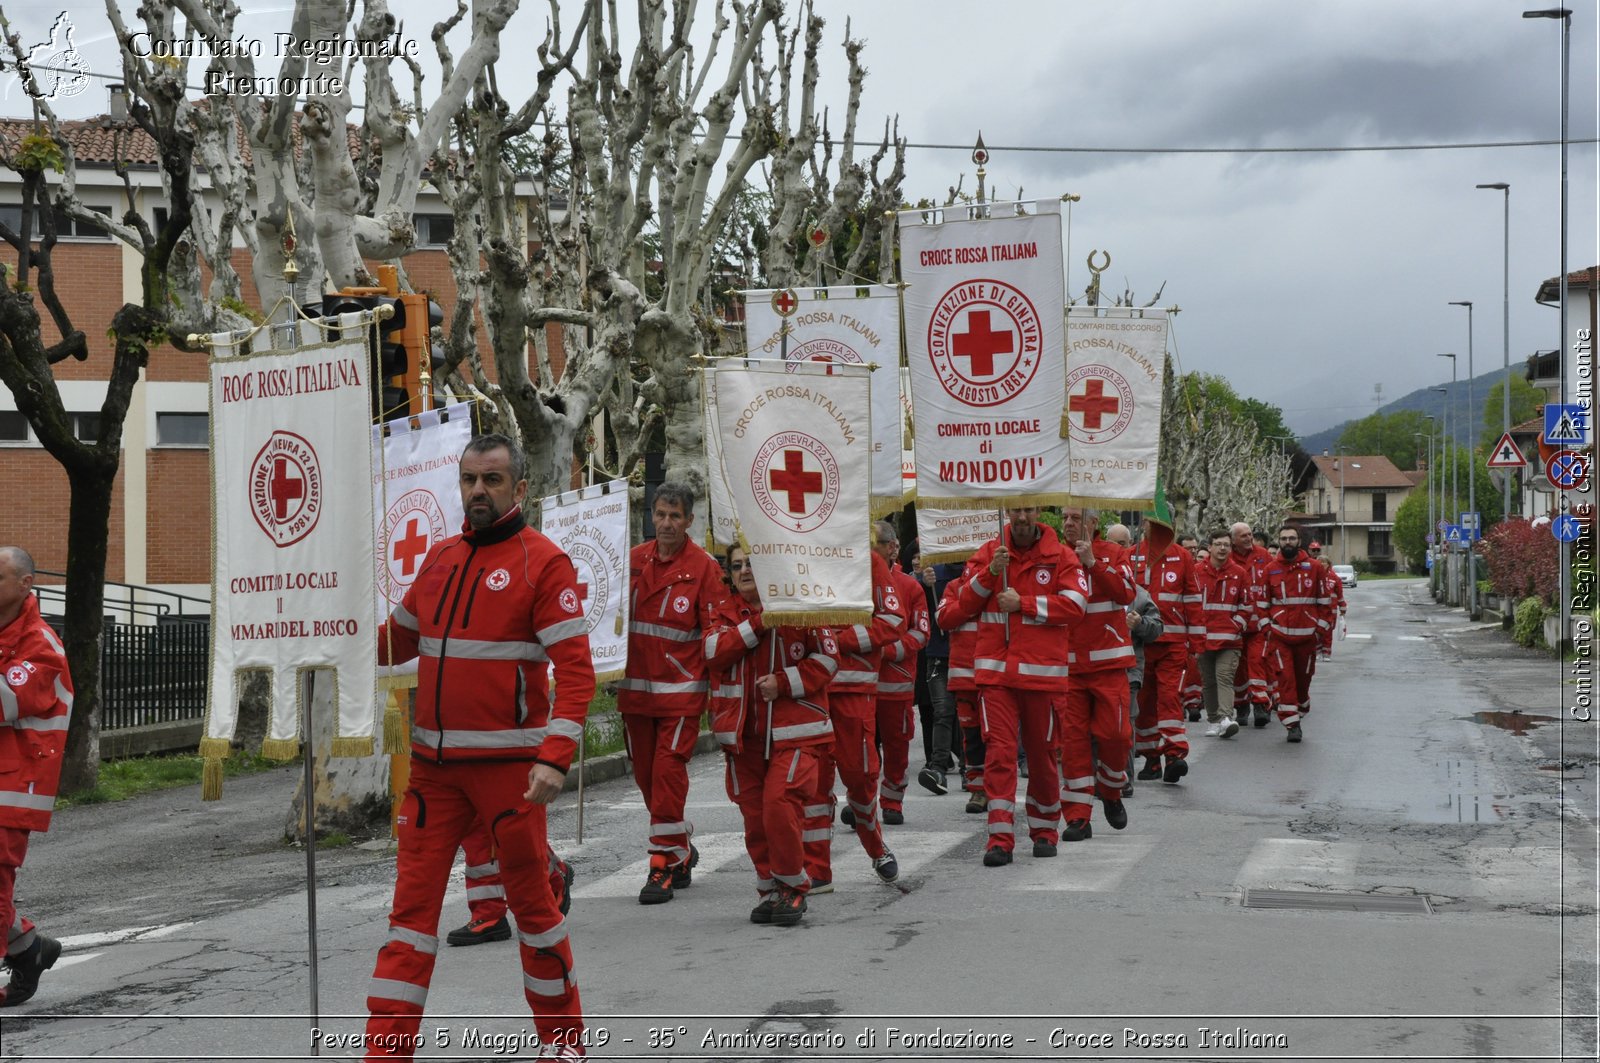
(490, 612)
(1250, 690)
(1336, 610)
(897, 679)
(851, 704)
(963, 687)
(486, 893)
(1225, 608)
(1024, 587)
(1191, 697)
(672, 584)
(35, 702)
(1296, 605)
(1168, 575)
(1097, 701)
(769, 709)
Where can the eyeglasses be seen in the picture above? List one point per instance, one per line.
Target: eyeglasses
(738, 566)
(1314, 553)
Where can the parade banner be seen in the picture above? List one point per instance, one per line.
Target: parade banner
(591, 527)
(841, 324)
(908, 433)
(949, 535)
(292, 569)
(984, 337)
(796, 444)
(720, 530)
(416, 501)
(1116, 358)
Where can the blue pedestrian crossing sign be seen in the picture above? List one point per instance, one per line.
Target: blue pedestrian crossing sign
(1566, 528)
(1455, 534)
(1566, 425)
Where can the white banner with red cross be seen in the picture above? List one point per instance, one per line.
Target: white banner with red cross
(416, 500)
(1116, 359)
(950, 535)
(591, 527)
(985, 288)
(292, 566)
(796, 444)
(719, 529)
(859, 325)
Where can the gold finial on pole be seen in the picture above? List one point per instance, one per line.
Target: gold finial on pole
(980, 155)
(1092, 296)
(291, 271)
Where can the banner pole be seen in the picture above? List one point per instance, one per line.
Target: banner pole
(583, 769)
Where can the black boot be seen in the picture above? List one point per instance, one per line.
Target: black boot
(26, 969)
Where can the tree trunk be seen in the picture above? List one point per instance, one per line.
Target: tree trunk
(88, 530)
(352, 793)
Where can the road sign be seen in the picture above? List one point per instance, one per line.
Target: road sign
(1566, 528)
(1566, 425)
(1454, 535)
(1567, 470)
(1506, 454)
(1471, 521)
(1429, 538)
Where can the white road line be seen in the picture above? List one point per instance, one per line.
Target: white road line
(110, 937)
(1292, 861)
(72, 961)
(716, 852)
(1095, 866)
(1413, 638)
(913, 850)
(1354, 635)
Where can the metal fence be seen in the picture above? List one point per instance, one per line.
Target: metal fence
(154, 673)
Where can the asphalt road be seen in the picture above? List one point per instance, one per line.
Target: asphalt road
(1439, 771)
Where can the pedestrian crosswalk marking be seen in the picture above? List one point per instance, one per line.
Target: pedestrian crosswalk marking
(1285, 861)
(716, 851)
(1096, 866)
(1354, 635)
(913, 850)
(1413, 638)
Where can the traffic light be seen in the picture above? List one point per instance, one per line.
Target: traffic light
(386, 349)
(421, 316)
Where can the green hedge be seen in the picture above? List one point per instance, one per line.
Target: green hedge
(1528, 628)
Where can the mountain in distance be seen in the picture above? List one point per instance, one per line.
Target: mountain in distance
(1425, 400)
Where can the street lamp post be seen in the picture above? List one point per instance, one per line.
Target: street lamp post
(1472, 470)
(1444, 455)
(1505, 336)
(1433, 537)
(1338, 463)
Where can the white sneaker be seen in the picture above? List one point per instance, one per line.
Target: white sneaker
(1229, 728)
(1214, 730)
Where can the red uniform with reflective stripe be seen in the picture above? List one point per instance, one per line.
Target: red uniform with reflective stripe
(740, 650)
(35, 703)
(497, 607)
(1099, 642)
(1025, 650)
(1224, 604)
(666, 660)
(1171, 583)
(863, 645)
(1295, 600)
(897, 678)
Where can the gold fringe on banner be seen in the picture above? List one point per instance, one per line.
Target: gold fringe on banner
(396, 733)
(397, 682)
(1096, 502)
(1065, 431)
(280, 748)
(950, 557)
(353, 747)
(883, 506)
(606, 677)
(815, 617)
(215, 751)
(1042, 499)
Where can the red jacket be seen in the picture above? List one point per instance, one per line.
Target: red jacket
(35, 708)
(1099, 642)
(487, 615)
(1172, 585)
(1295, 599)
(1254, 562)
(862, 645)
(962, 631)
(1225, 603)
(1026, 650)
(666, 659)
(1336, 605)
(897, 678)
(740, 650)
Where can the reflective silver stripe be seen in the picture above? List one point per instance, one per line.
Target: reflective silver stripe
(1078, 782)
(8, 704)
(1110, 777)
(803, 730)
(566, 629)
(728, 738)
(1194, 597)
(565, 728)
(999, 828)
(736, 690)
(1000, 805)
(747, 632)
(1045, 824)
(549, 939)
(856, 677)
(1058, 671)
(475, 650)
(483, 870)
(512, 738)
(394, 989)
(892, 619)
(961, 673)
(1111, 655)
(37, 802)
(796, 684)
(1165, 596)
(63, 695)
(817, 810)
(819, 834)
(860, 632)
(992, 618)
(403, 617)
(1222, 607)
(896, 688)
(676, 634)
(428, 943)
(1280, 629)
(792, 880)
(1043, 810)
(669, 828)
(484, 893)
(50, 638)
(990, 664)
(650, 686)
(1106, 607)
(546, 987)
(979, 588)
(1042, 605)
(43, 723)
(1298, 601)
(1074, 596)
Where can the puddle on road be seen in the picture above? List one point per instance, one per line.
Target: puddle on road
(1517, 723)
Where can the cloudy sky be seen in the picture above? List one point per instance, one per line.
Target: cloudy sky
(1310, 279)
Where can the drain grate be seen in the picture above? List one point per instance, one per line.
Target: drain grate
(1319, 901)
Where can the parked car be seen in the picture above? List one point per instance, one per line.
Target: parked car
(1346, 574)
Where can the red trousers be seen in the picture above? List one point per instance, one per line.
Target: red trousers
(896, 728)
(1004, 712)
(971, 739)
(772, 795)
(486, 893)
(1158, 731)
(16, 933)
(1096, 707)
(1192, 696)
(439, 809)
(660, 748)
(1293, 662)
(855, 755)
(1250, 680)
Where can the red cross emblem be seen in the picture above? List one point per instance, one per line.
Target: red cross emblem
(788, 483)
(794, 481)
(1100, 403)
(980, 343)
(985, 340)
(285, 488)
(1093, 403)
(409, 548)
(411, 524)
(785, 302)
